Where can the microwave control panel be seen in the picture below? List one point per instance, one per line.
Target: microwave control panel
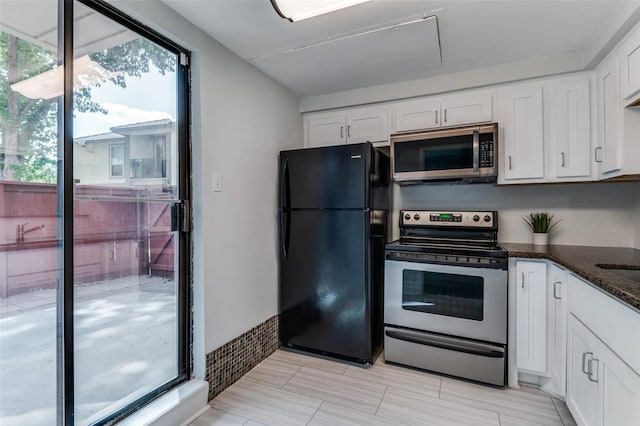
(486, 150)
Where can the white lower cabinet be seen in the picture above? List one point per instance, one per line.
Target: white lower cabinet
(531, 316)
(557, 329)
(603, 358)
(602, 390)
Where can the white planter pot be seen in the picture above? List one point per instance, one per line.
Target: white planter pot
(540, 239)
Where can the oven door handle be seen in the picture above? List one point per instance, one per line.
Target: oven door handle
(444, 343)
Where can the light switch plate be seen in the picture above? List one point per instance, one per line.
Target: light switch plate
(217, 182)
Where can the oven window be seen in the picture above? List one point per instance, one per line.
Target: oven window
(460, 296)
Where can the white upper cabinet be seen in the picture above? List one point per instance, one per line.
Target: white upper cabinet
(630, 71)
(531, 316)
(368, 124)
(608, 149)
(523, 133)
(416, 115)
(466, 109)
(348, 126)
(454, 110)
(326, 130)
(572, 128)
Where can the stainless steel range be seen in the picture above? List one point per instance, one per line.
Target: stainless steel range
(445, 306)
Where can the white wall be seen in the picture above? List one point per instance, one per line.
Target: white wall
(597, 214)
(241, 120)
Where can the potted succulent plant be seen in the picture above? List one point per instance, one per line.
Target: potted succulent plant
(541, 224)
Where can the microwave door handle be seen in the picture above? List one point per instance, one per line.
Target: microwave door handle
(476, 150)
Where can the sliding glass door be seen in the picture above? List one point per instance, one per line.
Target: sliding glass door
(113, 220)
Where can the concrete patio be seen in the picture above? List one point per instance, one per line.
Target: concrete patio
(125, 332)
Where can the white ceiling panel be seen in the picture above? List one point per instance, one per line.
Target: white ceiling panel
(345, 61)
(473, 33)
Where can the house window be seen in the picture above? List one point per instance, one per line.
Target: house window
(116, 160)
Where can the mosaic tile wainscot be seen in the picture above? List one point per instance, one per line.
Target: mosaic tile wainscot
(234, 359)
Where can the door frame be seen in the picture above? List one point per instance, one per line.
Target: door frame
(183, 275)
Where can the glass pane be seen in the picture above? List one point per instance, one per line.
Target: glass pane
(460, 296)
(30, 83)
(125, 169)
(452, 152)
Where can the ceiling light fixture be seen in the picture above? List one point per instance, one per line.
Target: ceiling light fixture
(297, 10)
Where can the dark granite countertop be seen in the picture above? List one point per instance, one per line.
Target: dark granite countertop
(582, 261)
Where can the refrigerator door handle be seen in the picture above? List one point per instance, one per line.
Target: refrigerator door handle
(284, 183)
(284, 214)
(284, 232)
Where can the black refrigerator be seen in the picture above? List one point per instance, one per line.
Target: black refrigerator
(333, 211)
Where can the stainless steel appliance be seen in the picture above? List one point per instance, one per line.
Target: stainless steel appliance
(445, 307)
(333, 230)
(462, 154)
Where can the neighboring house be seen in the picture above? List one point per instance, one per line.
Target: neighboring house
(132, 154)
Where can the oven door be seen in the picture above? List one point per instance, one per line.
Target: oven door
(455, 300)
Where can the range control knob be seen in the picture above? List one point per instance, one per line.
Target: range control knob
(407, 216)
(416, 216)
(476, 218)
(487, 218)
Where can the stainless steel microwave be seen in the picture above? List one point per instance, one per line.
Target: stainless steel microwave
(461, 154)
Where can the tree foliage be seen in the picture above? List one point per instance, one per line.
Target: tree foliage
(28, 127)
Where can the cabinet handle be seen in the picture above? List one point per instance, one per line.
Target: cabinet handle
(522, 285)
(341, 132)
(562, 154)
(349, 131)
(436, 117)
(584, 356)
(555, 290)
(596, 154)
(445, 115)
(509, 162)
(590, 364)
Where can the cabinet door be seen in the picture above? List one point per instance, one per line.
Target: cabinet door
(327, 130)
(582, 392)
(416, 115)
(630, 75)
(572, 148)
(531, 316)
(557, 327)
(620, 391)
(607, 153)
(368, 124)
(523, 133)
(466, 110)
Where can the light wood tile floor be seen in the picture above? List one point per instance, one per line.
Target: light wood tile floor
(294, 389)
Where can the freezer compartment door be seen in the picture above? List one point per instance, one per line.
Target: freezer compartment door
(325, 294)
(334, 177)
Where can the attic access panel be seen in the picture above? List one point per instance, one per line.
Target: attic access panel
(401, 51)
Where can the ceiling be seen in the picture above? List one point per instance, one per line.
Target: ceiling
(371, 43)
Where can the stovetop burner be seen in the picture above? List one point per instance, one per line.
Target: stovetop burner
(449, 237)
